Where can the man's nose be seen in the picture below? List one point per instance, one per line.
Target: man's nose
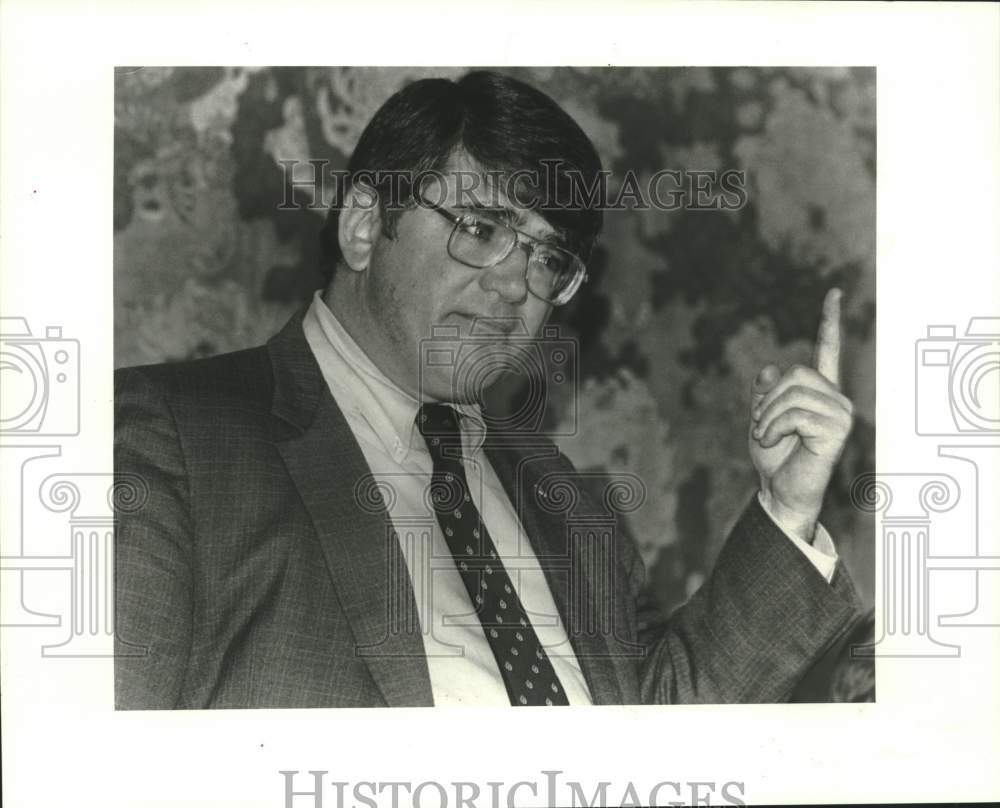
(508, 278)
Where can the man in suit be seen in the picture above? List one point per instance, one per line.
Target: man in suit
(331, 519)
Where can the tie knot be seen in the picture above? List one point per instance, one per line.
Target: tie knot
(438, 423)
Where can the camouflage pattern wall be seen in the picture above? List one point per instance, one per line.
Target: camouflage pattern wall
(683, 307)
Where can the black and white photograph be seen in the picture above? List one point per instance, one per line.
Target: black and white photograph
(534, 361)
(469, 362)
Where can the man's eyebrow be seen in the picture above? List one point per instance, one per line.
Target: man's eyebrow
(512, 217)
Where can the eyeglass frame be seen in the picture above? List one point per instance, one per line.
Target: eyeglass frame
(522, 240)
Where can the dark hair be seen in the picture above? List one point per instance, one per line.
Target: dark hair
(505, 125)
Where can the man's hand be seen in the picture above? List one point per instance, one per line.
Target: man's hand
(799, 425)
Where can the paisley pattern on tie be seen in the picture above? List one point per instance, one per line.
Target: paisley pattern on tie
(526, 669)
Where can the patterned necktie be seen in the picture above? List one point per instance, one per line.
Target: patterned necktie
(523, 663)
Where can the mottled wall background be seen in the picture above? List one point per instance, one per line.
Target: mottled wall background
(683, 308)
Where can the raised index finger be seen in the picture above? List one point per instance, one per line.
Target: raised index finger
(827, 358)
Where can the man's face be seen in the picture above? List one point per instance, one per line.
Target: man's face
(449, 330)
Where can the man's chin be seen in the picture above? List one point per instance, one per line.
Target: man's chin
(472, 370)
(465, 387)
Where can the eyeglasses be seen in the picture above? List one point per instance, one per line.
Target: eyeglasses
(551, 273)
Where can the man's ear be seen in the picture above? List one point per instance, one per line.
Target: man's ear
(359, 225)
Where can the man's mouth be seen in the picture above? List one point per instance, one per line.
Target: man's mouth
(494, 326)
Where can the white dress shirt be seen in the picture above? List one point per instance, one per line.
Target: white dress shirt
(382, 417)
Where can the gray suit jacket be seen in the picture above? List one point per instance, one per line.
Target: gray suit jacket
(250, 573)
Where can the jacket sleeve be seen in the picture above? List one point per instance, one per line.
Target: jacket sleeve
(754, 628)
(153, 549)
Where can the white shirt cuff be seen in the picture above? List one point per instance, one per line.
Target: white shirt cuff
(821, 553)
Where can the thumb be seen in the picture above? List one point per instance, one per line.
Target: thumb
(763, 383)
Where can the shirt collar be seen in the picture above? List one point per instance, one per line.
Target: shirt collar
(371, 395)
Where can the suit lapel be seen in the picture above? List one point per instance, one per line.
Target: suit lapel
(365, 562)
(521, 471)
